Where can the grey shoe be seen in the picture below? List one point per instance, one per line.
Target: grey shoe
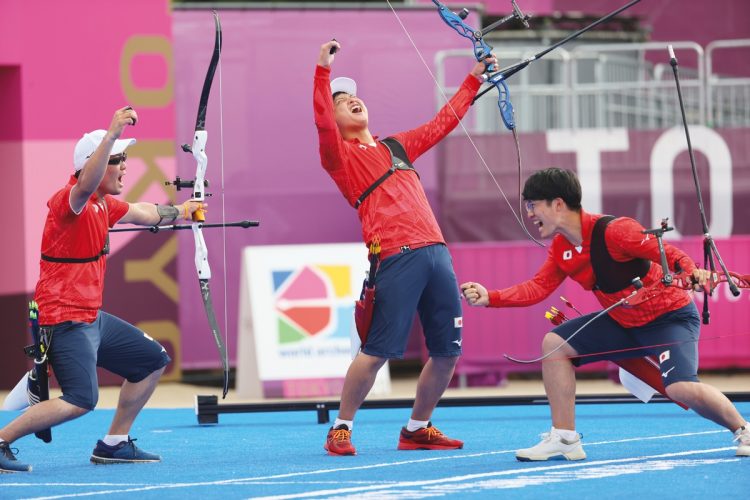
(552, 446)
(9, 462)
(124, 452)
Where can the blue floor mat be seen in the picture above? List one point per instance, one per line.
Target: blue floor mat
(652, 451)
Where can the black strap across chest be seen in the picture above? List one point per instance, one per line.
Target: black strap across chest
(612, 276)
(399, 161)
(72, 260)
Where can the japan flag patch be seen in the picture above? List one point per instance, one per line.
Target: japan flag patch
(458, 322)
(663, 356)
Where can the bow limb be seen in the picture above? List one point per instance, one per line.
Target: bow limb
(204, 273)
(567, 341)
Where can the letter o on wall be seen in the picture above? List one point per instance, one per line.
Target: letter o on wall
(151, 97)
(667, 147)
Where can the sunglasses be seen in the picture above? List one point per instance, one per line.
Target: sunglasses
(117, 159)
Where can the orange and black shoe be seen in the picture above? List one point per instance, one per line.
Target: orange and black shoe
(339, 441)
(427, 438)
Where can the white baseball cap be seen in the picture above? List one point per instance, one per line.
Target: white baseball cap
(344, 84)
(88, 144)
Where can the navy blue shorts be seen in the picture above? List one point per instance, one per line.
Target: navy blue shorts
(674, 336)
(421, 280)
(77, 348)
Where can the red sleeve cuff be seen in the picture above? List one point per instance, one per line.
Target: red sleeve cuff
(472, 82)
(495, 299)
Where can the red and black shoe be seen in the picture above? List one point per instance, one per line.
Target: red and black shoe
(427, 438)
(339, 441)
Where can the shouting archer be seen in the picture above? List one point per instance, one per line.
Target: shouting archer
(609, 256)
(415, 270)
(78, 334)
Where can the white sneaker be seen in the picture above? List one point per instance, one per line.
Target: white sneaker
(743, 438)
(552, 446)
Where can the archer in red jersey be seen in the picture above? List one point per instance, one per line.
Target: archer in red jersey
(605, 255)
(415, 271)
(79, 335)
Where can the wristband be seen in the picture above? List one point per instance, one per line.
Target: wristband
(169, 211)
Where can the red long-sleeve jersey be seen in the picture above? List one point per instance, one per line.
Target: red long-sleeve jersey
(624, 241)
(397, 211)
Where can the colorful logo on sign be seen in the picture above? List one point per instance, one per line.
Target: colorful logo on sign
(314, 301)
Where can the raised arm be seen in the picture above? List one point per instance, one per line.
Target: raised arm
(331, 144)
(95, 167)
(422, 138)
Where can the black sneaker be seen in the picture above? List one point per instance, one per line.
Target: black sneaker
(123, 453)
(9, 462)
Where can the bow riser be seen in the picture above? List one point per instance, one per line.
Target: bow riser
(201, 253)
(481, 48)
(199, 153)
(685, 281)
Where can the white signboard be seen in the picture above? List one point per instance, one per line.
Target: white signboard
(297, 312)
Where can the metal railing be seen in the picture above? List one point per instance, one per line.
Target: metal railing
(728, 97)
(611, 85)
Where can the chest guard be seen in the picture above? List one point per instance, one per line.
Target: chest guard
(611, 275)
(399, 161)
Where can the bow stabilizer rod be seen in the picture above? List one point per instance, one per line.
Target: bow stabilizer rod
(177, 227)
(709, 246)
(516, 14)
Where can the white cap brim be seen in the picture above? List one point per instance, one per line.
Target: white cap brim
(344, 84)
(90, 142)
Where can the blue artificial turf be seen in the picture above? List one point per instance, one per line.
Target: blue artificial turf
(634, 450)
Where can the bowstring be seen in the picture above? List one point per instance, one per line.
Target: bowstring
(223, 207)
(520, 193)
(460, 122)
